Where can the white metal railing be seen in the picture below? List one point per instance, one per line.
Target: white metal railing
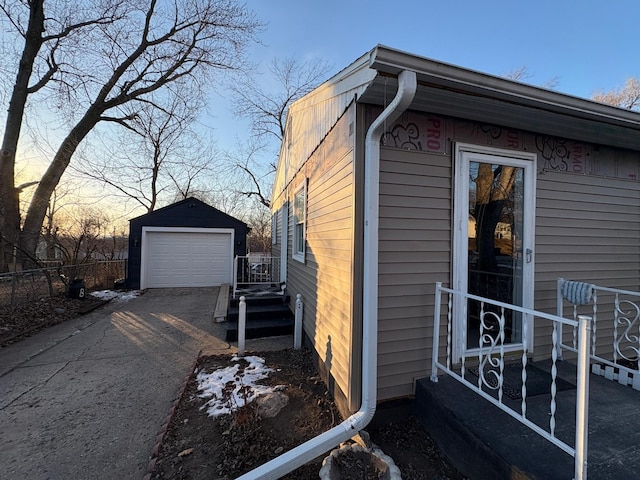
(242, 324)
(615, 336)
(489, 359)
(249, 271)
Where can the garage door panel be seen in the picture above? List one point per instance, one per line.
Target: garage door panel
(187, 259)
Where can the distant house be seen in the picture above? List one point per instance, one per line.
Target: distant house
(186, 244)
(386, 168)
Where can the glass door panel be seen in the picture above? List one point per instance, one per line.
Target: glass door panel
(495, 260)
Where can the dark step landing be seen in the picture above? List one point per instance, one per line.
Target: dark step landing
(481, 441)
(261, 300)
(485, 443)
(267, 316)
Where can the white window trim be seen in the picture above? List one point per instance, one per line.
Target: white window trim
(296, 253)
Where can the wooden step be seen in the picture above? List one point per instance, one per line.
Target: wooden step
(260, 312)
(222, 304)
(261, 328)
(261, 300)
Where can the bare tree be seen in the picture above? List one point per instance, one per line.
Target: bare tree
(521, 74)
(267, 110)
(628, 96)
(59, 201)
(259, 237)
(254, 183)
(223, 194)
(158, 154)
(80, 239)
(43, 39)
(105, 66)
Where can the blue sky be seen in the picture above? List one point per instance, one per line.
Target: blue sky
(584, 45)
(588, 45)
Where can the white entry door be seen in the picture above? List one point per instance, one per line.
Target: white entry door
(493, 239)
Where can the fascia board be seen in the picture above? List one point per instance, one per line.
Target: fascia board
(390, 61)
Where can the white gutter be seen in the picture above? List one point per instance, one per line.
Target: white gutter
(389, 60)
(289, 461)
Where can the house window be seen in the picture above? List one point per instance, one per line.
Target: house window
(299, 217)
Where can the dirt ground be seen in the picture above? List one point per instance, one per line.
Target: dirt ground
(26, 319)
(197, 446)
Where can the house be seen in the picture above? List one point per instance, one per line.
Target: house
(185, 244)
(384, 170)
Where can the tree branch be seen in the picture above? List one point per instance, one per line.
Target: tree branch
(258, 191)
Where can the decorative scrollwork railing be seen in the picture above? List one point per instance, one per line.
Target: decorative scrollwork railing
(487, 361)
(628, 339)
(491, 341)
(615, 343)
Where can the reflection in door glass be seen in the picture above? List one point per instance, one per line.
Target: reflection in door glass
(496, 202)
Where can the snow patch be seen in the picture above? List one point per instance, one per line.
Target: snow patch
(228, 388)
(119, 296)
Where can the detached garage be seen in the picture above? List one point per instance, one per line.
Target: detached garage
(186, 244)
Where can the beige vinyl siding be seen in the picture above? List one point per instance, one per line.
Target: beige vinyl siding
(325, 279)
(587, 229)
(414, 253)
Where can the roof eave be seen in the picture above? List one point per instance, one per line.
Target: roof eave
(391, 62)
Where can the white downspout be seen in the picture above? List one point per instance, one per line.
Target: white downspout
(289, 461)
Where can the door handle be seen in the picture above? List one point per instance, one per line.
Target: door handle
(528, 255)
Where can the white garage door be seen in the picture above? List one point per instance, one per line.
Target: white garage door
(198, 258)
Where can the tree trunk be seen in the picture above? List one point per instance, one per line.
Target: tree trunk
(487, 218)
(9, 201)
(493, 190)
(40, 201)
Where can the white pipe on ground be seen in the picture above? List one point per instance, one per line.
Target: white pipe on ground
(289, 461)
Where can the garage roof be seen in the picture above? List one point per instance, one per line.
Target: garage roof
(190, 212)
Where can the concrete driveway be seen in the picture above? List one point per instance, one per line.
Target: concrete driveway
(86, 399)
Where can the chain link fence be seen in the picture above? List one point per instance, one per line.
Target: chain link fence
(31, 285)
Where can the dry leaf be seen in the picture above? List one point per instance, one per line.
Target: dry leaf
(186, 452)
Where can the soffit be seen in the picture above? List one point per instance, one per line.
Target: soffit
(448, 90)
